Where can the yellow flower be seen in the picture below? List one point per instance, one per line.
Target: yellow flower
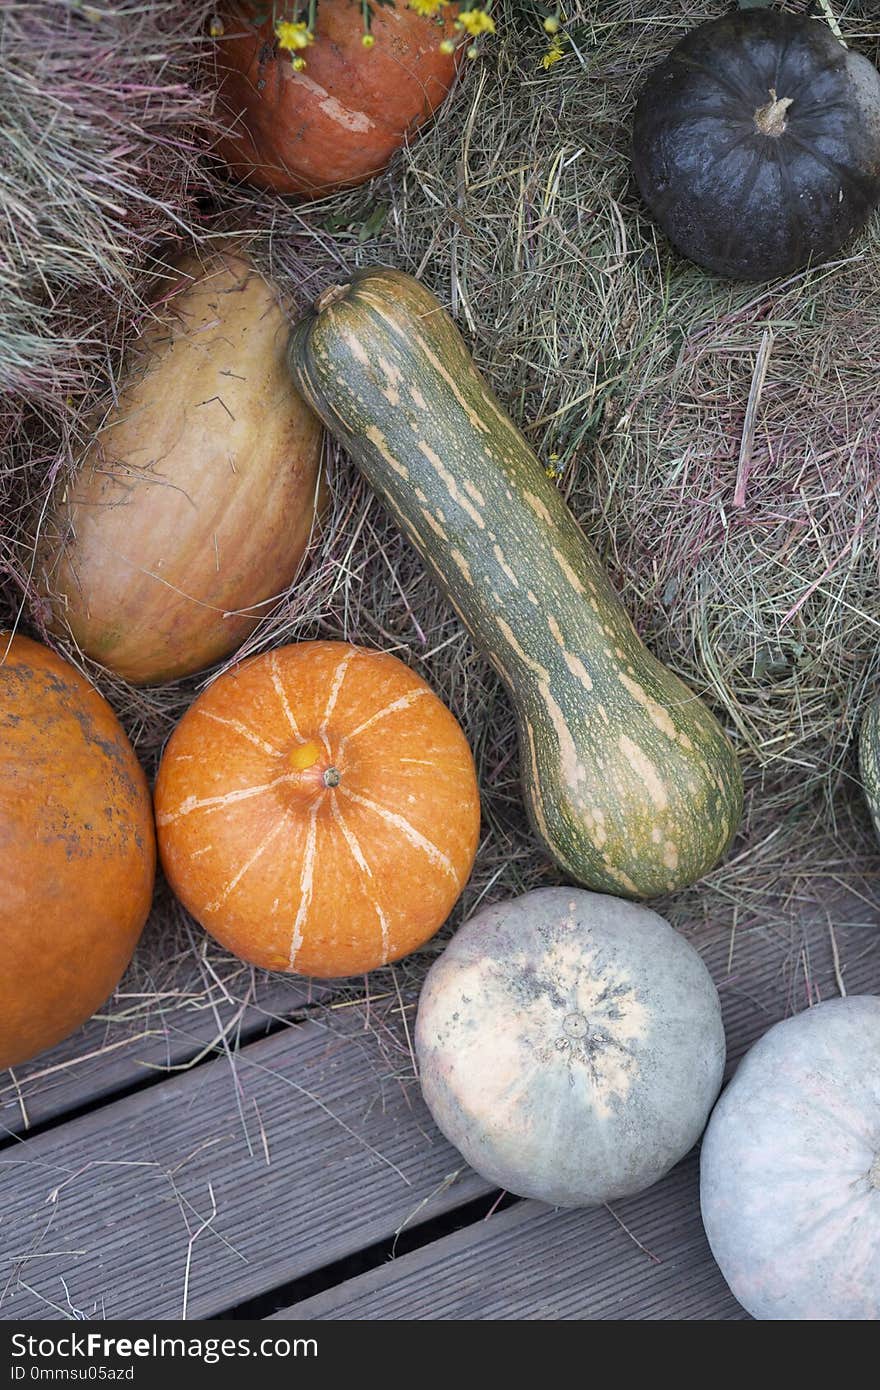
(447, 46)
(476, 22)
(554, 52)
(368, 40)
(216, 27)
(551, 24)
(293, 36)
(427, 7)
(299, 64)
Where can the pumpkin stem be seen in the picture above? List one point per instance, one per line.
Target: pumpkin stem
(770, 118)
(331, 777)
(331, 295)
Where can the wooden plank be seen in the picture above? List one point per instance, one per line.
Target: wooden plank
(352, 1155)
(531, 1262)
(220, 1184)
(584, 1264)
(153, 1024)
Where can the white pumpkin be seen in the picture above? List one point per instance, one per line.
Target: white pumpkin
(790, 1168)
(570, 1045)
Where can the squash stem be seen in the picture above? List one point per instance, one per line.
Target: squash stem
(770, 119)
(331, 295)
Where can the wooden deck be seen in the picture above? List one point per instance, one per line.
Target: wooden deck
(298, 1174)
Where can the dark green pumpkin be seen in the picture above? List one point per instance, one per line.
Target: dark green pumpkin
(756, 143)
(629, 779)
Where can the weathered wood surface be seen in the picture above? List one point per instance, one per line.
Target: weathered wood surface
(224, 1183)
(531, 1262)
(136, 1039)
(312, 1148)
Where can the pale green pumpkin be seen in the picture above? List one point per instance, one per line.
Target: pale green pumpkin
(629, 779)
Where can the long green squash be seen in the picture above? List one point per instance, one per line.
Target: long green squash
(628, 778)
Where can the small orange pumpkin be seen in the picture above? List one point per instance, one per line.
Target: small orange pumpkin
(318, 809)
(78, 849)
(340, 120)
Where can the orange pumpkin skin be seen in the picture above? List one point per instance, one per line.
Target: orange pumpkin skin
(78, 849)
(318, 810)
(338, 122)
(191, 510)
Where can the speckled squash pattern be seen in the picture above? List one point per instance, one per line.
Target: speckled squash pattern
(629, 780)
(570, 1045)
(78, 849)
(790, 1168)
(869, 760)
(756, 143)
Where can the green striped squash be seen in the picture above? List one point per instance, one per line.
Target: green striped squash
(629, 780)
(869, 759)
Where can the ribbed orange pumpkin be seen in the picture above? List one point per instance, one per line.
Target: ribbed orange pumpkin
(339, 121)
(318, 809)
(78, 849)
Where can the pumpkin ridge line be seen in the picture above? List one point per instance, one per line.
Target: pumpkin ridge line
(781, 60)
(839, 171)
(282, 695)
(414, 836)
(338, 678)
(739, 94)
(350, 838)
(242, 729)
(210, 803)
(403, 702)
(749, 187)
(789, 193)
(248, 864)
(306, 882)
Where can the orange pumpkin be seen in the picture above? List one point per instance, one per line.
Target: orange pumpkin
(340, 120)
(318, 809)
(78, 849)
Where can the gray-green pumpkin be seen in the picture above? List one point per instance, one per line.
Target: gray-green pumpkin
(790, 1168)
(570, 1045)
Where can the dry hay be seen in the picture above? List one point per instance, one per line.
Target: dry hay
(631, 372)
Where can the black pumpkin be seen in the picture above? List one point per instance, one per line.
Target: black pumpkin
(757, 143)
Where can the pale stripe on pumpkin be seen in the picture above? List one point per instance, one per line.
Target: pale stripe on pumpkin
(403, 702)
(232, 883)
(242, 729)
(282, 695)
(400, 823)
(306, 883)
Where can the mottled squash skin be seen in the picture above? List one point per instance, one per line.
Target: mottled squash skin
(570, 1045)
(869, 760)
(190, 512)
(630, 781)
(77, 849)
(756, 143)
(338, 122)
(790, 1168)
